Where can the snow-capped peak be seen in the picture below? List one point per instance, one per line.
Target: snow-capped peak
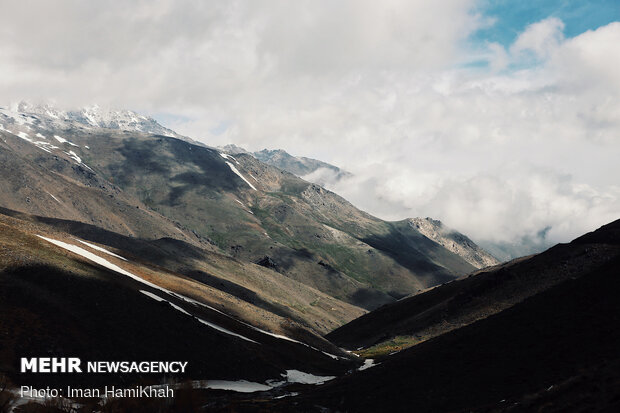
(93, 116)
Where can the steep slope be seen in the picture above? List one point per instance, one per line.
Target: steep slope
(56, 184)
(272, 213)
(555, 351)
(297, 165)
(248, 291)
(155, 186)
(250, 210)
(478, 296)
(453, 241)
(312, 170)
(60, 295)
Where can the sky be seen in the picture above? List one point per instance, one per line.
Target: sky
(501, 118)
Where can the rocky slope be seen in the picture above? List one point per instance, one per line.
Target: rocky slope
(154, 186)
(312, 170)
(453, 241)
(553, 348)
(477, 296)
(61, 295)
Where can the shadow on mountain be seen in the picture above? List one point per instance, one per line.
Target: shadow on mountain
(160, 252)
(481, 294)
(516, 360)
(154, 159)
(241, 293)
(412, 251)
(370, 299)
(163, 252)
(46, 310)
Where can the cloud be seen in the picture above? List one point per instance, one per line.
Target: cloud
(501, 157)
(541, 38)
(377, 88)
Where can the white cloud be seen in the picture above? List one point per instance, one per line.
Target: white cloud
(541, 38)
(373, 87)
(501, 157)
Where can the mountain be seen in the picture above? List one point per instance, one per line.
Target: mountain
(128, 182)
(312, 170)
(474, 297)
(63, 295)
(119, 244)
(88, 117)
(297, 165)
(454, 241)
(537, 334)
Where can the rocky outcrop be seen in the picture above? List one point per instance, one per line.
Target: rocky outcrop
(453, 241)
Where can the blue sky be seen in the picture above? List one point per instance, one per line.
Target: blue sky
(512, 16)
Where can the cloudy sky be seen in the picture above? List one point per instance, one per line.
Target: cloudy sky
(501, 118)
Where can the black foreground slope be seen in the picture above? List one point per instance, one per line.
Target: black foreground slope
(48, 311)
(56, 303)
(490, 291)
(556, 351)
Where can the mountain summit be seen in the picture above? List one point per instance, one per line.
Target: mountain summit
(93, 116)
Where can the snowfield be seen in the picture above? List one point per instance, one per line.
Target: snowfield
(98, 248)
(232, 168)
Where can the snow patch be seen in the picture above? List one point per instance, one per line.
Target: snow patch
(55, 199)
(63, 140)
(226, 156)
(296, 376)
(223, 330)
(368, 363)
(232, 167)
(38, 135)
(98, 248)
(74, 156)
(102, 261)
(292, 394)
(46, 146)
(244, 208)
(241, 386)
(158, 298)
(24, 136)
(214, 326)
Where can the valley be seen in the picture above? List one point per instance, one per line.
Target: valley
(122, 240)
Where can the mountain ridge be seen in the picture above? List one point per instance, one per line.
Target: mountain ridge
(141, 184)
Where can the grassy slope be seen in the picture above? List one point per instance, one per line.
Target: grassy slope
(250, 292)
(152, 187)
(53, 301)
(203, 195)
(462, 302)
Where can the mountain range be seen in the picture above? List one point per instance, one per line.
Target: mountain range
(122, 240)
(309, 169)
(155, 186)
